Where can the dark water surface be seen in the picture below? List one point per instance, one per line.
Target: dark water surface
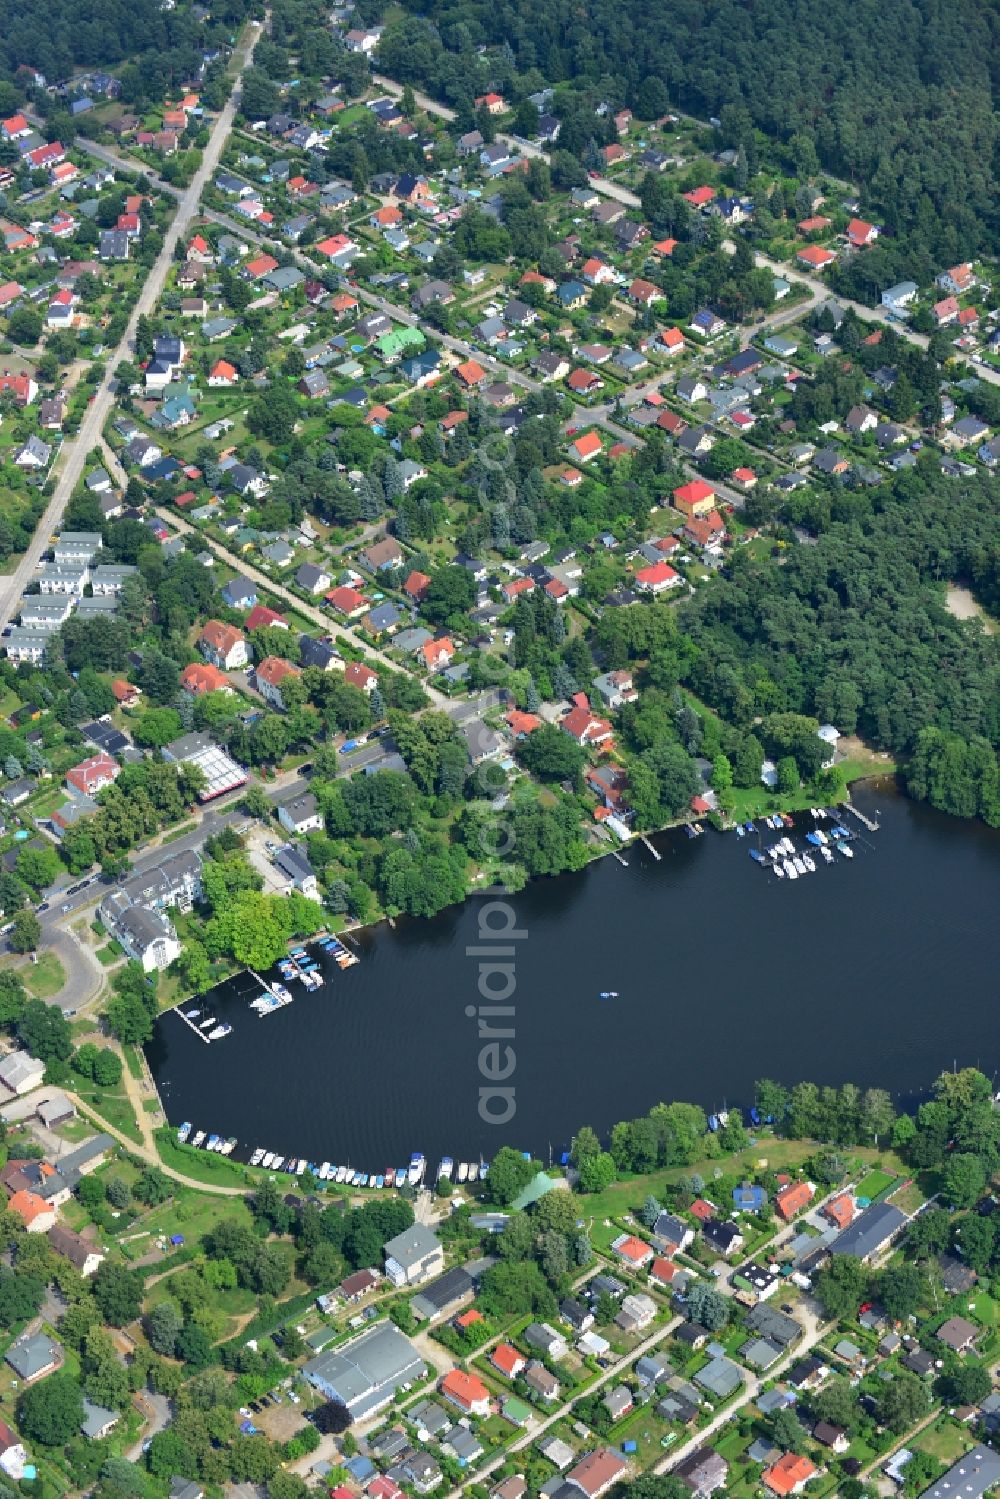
(881, 971)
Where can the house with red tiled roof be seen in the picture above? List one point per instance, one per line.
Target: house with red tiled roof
(815, 224)
(860, 233)
(597, 272)
(816, 258)
(700, 197)
(789, 1475)
(505, 1358)
(516, 587)
(223, 645)
(223, 374)
(263, 618)
(705, 530)
(635, 1252)
(839, 1210)
(348, 601)
(522, 724)
(793, 1199)
(37, 1215)
(968, 317)
(437, 654)
(696, 498)
(383, 1487)
(585, 727)
(597, 1472)
(470, 373)
(260, 266)
(416, 585)
(671, 339)
(201, 677)
(643, 293)
(657, 578)
(492, 103)
(269, 675)
(702, 1209)
(959, 279)
(200, 250)
(125, 694)
(584, 381)
(664, 248)
(91, 776)
(466, 1391)
(586, 447)
(357, 674)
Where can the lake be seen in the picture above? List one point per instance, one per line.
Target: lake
(878, 971)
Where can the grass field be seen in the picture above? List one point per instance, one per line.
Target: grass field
(213, 1170)
(44, 978)
(113, 1105)
(875, 1183)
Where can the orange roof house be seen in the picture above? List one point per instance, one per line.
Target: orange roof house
(657, 578)
(696, 498)
(466, 1391)
(469, 1318)
(521, 724)
(470, 373)
(125, 693)
(859, 233)
(201, 677)
(698, 197)
(508, 1360)
(437, 653)
(223, 373)
(35, 1213)
(789, 1475)
(840, 1211)
(793, 1198)
(665, 247)
(261, 265)
(632, 1250)
(815, 224)
(816, 257)
(416, 585)
(586, 447)
(672, 339)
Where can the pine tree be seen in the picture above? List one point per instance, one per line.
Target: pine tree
(531, 699)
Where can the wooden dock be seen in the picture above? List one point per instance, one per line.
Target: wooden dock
(867, 822)
(622, 861)
(200, 1034)
(655, 852)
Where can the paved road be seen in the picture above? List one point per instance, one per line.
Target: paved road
(75, 450)
(310, 611)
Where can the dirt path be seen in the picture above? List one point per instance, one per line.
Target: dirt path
(147, 1151)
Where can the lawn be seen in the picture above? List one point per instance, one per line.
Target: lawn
(945, 1440)
(44, 978)
(874, 1184)
(113, 1105)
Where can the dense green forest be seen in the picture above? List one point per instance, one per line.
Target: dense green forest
(854, 630)
(894, 94)
(78, 35)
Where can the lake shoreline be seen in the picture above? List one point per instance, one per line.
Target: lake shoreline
(723, 974)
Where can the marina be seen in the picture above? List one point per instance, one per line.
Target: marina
(383, 1059)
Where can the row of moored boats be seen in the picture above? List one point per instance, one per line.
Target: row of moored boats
(216, 1143)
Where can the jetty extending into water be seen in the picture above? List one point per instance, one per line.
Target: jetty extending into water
(868, 822)
(654, 851)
